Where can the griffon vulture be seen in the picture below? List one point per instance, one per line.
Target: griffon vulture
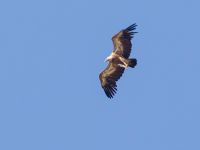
(118, 60)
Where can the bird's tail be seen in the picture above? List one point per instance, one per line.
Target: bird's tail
(132, 62)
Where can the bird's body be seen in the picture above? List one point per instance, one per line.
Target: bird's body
(118, 60)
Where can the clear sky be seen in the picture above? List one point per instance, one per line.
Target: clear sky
(52, 51)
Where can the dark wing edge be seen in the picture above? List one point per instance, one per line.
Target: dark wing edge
(131, 28)
(130, 31)
(108, 78)
(122, 40)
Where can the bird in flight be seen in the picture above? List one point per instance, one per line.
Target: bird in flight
(118, 60)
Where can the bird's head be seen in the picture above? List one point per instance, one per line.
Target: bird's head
(108, 58)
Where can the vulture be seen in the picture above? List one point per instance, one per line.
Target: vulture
(118, 60)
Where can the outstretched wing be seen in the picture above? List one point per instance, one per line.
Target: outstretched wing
(122, 41)
(108, 78)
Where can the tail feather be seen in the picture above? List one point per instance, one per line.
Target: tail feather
(132, 62)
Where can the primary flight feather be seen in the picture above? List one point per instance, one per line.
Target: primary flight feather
(118, 60)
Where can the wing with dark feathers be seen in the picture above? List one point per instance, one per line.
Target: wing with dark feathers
(122, 41)
(108, 78)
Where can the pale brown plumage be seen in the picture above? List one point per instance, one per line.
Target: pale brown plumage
(113, 72)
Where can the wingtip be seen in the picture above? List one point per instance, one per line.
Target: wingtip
(132, 27)
(110, 91)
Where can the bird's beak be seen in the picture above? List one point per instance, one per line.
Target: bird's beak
(106, 60)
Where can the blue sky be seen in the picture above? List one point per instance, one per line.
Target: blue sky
(52, 52)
